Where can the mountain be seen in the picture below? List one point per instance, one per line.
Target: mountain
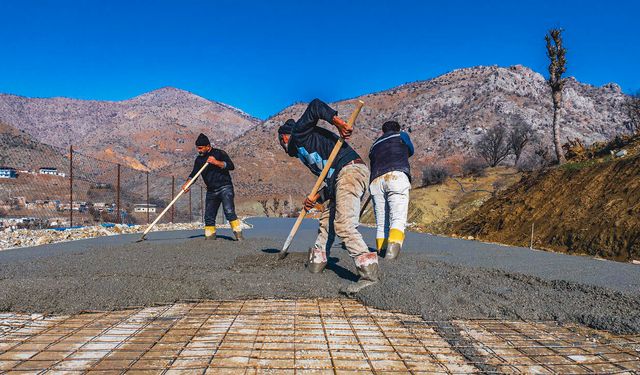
(20, 151)
(146, 132)
(446, 116)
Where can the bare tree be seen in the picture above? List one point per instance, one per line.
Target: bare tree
(520, 135)
(557, 66)
(265, 206)
(632, 105)
(493, 146)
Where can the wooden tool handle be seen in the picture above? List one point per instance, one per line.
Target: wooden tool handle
(334, 152)
(175, 199)
(321, 177)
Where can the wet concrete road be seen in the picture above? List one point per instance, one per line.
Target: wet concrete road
(437, 278)
(621, 277)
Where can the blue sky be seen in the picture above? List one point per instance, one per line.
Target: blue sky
(262, 56)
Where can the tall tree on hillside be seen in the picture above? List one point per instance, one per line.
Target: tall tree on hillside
(557, 66)
(633, 110)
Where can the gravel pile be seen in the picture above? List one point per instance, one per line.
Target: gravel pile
(10, 238)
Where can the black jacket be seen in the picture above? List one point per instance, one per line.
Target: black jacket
(313, 144)
(389, 153)
(213, 176)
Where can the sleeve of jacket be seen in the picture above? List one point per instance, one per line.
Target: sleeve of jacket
(196, 168)
(316, 110)
(407, 141)
(225, 158)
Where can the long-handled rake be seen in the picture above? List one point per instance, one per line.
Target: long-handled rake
(172, 202)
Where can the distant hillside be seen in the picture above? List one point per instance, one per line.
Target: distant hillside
(446, 115)
(147, 132)
(19, 150)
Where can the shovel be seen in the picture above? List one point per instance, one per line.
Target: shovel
(172, 202)
(316, 187)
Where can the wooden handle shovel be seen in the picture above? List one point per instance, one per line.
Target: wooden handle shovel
(323, 174)
(172, 202)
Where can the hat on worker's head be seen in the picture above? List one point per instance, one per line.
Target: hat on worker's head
(287, 127)
(202, 140)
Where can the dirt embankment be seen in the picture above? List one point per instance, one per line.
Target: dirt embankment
(591, 207)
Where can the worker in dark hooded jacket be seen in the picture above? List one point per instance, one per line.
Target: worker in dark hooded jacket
(343, 189)
(390, 185)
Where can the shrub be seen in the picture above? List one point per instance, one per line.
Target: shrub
(434, 174)
(474, 167)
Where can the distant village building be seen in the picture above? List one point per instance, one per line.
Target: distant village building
(42, 205)
(142, 207)
(77, 206)
(51, 171)
(8, 172)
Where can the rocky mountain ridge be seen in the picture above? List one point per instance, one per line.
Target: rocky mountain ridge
(148, 131)
(446, 116)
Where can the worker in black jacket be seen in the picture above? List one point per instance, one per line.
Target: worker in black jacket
(219, 187)
(345, 184)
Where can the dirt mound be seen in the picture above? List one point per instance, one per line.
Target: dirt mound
(590, 207)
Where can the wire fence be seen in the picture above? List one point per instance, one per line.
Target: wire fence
(49, 187)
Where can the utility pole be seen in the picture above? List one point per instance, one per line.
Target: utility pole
(173, 192)
(190, 215)
(147, 197)
(70, 186)
(119, 218)
(201, 204)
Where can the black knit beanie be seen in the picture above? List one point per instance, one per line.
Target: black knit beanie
(287, 127)
(202, 140)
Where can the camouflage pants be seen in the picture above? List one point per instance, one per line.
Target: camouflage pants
(341, 216)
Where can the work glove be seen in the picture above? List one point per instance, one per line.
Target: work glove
(344, 129)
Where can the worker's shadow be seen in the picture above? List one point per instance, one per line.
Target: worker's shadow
(332, 265)
(344, 273)
(218, 237)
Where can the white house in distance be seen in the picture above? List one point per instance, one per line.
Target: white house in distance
(143, 207)
(51, 171)
(8, 172)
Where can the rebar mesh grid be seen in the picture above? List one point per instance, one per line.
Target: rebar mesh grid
(301, 337)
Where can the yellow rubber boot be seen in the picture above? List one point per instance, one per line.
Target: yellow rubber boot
(237, 231)
(396, 238)
(210, 232)
(381, 244)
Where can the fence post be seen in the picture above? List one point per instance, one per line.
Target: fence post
(147, 197)
(190, 212)
(119, 218)
(201, 205)
(70, 186)
(173, 192)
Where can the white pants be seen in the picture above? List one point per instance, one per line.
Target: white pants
(390, 196)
